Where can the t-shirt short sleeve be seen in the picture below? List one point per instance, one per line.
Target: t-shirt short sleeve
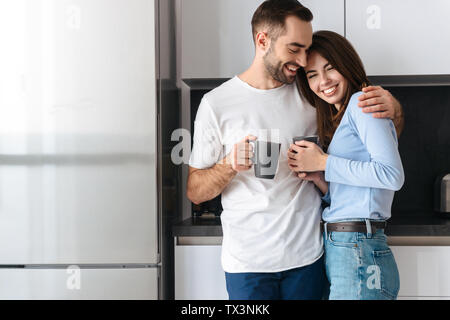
(207, 147)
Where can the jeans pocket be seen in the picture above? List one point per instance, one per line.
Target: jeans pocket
(388, 272)
(343, 239)
(379, 235)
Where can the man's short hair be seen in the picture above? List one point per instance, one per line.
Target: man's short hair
(272, 14)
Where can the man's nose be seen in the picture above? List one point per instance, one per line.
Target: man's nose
(302, 59)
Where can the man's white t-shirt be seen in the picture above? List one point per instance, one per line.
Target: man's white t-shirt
(268, 225)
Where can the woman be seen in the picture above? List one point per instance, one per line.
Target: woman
(358, 175)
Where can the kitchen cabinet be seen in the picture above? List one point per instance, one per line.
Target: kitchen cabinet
(74, 283)
(402, 37)
(423, 271)
(215, 39)
(328, 14)
(198, 273)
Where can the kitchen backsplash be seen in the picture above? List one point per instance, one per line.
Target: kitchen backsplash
(424, 146)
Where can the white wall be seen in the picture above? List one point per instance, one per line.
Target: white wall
(214, 37)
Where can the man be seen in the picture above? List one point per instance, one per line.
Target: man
(272, 246)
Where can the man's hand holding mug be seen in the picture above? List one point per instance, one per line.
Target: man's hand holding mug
(240, 155)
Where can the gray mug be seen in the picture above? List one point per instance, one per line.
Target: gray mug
(265, 158)
(314, 139)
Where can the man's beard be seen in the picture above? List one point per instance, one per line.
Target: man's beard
(275, 68)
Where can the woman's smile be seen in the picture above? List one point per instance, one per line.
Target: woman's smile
(329, 92)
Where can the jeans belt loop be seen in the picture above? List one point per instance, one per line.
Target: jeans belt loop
(369, 229)
(325, 226)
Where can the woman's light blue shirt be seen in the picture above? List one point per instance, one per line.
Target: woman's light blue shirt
(364, 168)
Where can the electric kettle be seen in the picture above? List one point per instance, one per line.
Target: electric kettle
(442, 193)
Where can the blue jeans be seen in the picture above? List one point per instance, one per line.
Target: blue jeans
(360, 266)
(304, 283)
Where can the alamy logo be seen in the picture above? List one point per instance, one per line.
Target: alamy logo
(73, 21)
(74, 279)
(374, 280)
(213, 149)
(181, 152)
(374, 19)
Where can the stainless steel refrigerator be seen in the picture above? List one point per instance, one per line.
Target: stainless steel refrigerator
(78, 150)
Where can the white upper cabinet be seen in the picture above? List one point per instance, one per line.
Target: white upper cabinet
(328, 14)
(400, 37)
(215, 37)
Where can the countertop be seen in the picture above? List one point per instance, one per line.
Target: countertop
(417, 225)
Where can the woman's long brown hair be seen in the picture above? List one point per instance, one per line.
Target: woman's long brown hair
(339, 52)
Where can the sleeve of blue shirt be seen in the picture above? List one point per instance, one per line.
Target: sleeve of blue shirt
(384, 170)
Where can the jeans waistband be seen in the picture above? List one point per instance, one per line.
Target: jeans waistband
(371, 226)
